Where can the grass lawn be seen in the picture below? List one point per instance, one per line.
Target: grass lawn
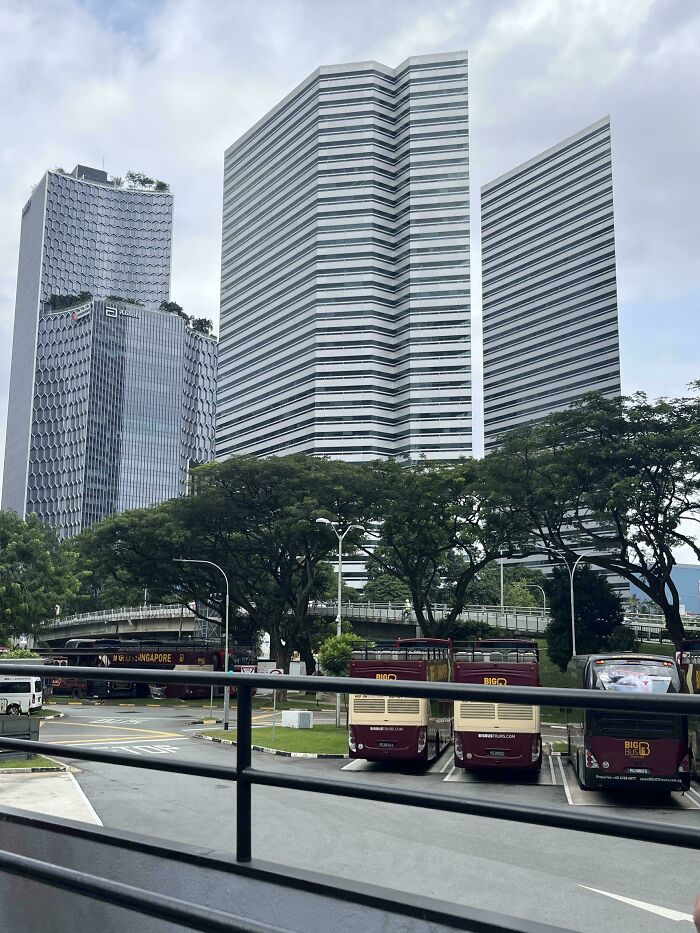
(322, 740)
(37, 761)
(42, 713)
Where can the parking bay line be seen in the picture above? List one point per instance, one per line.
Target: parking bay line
(567, 791)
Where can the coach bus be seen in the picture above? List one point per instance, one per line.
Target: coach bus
(397, 728)
(613, 749)
(185, 656)
(497, 735)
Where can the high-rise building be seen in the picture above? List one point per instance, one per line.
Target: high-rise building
(345, 295)
(110, 398)
(549, 286)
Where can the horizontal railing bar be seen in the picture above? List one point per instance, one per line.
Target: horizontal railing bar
(541, 696)
(128, 897)
(220, 772)
(644, 830)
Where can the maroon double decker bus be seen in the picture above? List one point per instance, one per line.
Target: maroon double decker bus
(497, 735)
(613, 749)
(400, 728)
(162, 655)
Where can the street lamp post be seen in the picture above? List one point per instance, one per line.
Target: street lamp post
(536, 586)
(210, 563)
(338, 622)
(572, 571)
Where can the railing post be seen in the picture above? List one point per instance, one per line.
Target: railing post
(244, 729)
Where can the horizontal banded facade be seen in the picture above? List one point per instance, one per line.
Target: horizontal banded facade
(345, 268)
(549, 285)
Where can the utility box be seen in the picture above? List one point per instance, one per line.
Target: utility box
(297, 719)
(18, 727)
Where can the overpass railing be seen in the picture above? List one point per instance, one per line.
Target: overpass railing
(121, 615)
(245, 776)
(513, 618)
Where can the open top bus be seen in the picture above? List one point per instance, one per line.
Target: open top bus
(501, 735)
(400, 728)
(614, 749)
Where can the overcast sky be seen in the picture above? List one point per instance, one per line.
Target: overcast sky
(164, 87)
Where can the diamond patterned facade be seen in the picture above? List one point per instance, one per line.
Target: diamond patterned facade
(111, 400)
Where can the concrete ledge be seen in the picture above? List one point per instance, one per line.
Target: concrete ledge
(268, 751)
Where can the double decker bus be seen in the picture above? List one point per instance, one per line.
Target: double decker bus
(181, 655)
(397, 728)
(497, 735)
(614, 749)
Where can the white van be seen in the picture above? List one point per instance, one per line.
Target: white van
(21, 694)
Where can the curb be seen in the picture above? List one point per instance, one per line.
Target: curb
(58, 767)
(268, 751)
(204, 722)
(52, 716)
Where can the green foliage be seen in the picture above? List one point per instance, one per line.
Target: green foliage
(468, 630)
(618, 477)
(384, 588)
(202, 325)
(131, 301)
(598, 613)
(58, 302)
(161, 186)
(18, 654)
(622, 638)
(37, 573)
(334, 654)
(437, 527)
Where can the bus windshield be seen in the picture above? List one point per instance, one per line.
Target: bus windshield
(636, 676)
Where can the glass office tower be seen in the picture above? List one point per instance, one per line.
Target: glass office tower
(549, 283)
(111, 399)
(345, 295)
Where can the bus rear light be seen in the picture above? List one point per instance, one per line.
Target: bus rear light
(351, 741)
(459, 752)
(536, 748)
(684, 766)
(591, 760)
(422, 738)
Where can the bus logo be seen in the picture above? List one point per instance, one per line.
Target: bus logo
(496, 681)
(385, 676)
(635, 749)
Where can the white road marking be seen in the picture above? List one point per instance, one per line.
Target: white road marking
(643, 905)
(551, 769)
(569, 798)
(84, 796)
(122, 722)
(448, 764)
(449, 776)
(694, 796)
(357, 764)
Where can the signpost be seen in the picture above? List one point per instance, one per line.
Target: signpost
(275, 670)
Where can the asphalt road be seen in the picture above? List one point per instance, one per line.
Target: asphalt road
(513, 868)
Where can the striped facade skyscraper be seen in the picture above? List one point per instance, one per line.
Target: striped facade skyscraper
(549, 284)
(345, 296)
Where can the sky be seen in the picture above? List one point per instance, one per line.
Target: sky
(164, 87)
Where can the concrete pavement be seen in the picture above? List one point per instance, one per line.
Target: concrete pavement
(566, 878)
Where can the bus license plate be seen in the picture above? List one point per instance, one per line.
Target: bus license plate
(638, 770)
(497, 753)
(386, 744)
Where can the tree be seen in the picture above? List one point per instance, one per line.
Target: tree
(618, 479)
(335, 653)
(383, 587)
(435, 520)
(598, 613)
(37, 573)
(201, 325)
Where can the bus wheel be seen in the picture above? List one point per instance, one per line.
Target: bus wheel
(13, 710)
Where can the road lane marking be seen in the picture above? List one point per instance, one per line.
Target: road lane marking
(85, 798)
(449, 776)
(569, 798)
(357, 764)
(694, 796)
(643, 905)
(448, 764)
(551, 768)
(154, 733)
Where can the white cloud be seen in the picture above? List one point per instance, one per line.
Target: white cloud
(166, 87)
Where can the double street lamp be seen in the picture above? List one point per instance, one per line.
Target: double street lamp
(572, 570)
(210, 563)
(338, 629)
(536, 586)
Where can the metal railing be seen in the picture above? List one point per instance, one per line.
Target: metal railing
(512, 618)
(161, 611)
(244, 775)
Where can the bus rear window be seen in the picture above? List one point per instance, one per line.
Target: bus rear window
(637, 677)
(633, 724)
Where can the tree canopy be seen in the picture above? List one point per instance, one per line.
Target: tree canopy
(37, 573)
(616, 479)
